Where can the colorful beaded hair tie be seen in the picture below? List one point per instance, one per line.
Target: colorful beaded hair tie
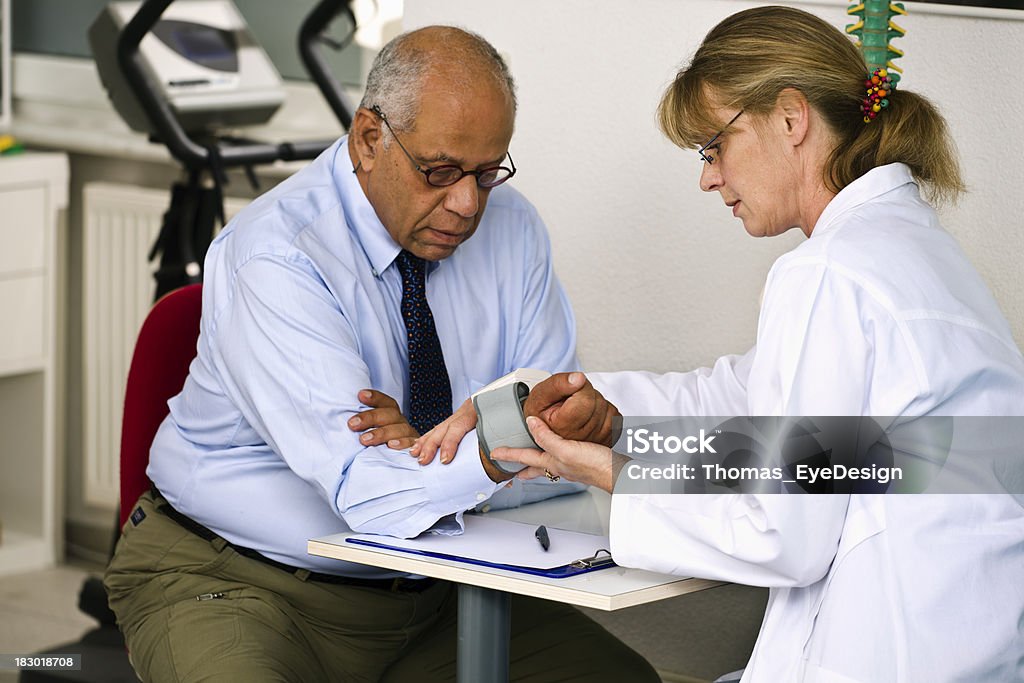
(879, 87)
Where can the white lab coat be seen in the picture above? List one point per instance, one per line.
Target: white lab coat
(878, 313)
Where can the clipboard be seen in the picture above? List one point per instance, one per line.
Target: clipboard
(507, 545)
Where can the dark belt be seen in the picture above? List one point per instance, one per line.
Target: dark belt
(400, 584)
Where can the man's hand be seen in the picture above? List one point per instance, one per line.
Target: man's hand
(446, 436)
(383, 423)
(574, 409)
(587, 463)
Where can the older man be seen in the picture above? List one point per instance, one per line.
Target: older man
(314, 293)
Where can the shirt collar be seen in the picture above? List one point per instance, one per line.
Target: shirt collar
(872, 184)
(362, 219)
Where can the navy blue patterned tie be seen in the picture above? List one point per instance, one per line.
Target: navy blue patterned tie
(430, 392)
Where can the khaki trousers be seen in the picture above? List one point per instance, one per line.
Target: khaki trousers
(266, 624)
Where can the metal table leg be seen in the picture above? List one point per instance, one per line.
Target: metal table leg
(485, 625)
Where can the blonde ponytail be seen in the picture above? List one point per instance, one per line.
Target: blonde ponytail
(750, 57)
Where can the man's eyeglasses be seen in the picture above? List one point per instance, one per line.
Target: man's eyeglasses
(448, 174)
(703, 150)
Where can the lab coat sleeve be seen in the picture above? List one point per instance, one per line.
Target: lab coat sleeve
(718, 390)
(815, 355)
(757, 540)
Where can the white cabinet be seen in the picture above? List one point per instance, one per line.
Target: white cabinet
(33, 192)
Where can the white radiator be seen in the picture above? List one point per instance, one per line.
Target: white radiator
(120, 224)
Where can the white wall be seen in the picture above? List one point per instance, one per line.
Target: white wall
(660, 274)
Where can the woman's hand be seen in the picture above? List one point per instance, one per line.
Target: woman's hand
(383, 423)
(581, 461)
(446, 437)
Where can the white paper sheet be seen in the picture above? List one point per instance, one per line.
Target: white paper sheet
(501, 541)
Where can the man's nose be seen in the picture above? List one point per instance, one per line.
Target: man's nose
(710, 178)
(463, 197)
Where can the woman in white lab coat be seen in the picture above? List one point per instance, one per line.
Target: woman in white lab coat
(877, 313)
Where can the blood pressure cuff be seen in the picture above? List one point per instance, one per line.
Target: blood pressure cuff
(501, 422)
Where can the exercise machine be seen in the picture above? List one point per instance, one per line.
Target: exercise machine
(183, 72)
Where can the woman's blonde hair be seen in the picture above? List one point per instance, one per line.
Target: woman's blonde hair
(750, 57)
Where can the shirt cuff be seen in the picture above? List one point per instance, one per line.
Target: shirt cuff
(462, 484)
(519, 492)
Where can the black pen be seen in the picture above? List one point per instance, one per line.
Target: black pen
(542, 535)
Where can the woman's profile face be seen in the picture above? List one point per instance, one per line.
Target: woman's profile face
(753, 173)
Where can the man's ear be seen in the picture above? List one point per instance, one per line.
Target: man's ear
(365, 134)
(795, 112)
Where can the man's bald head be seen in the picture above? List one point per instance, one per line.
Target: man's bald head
(450, 59)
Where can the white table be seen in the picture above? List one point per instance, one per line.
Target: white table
(484, 601)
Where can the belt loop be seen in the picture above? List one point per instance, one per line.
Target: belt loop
(396, 585)
(218, 543)
(302, 574)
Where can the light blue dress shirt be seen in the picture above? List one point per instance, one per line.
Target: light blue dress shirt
(301, 310)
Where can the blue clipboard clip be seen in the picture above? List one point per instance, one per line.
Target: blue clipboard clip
(594, 562)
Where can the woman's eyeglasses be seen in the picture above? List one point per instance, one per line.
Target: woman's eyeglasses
(703, 150)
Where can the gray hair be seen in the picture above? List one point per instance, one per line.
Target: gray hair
(396, 78)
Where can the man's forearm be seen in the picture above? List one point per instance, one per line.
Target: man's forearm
(388, 493)
(496, 475)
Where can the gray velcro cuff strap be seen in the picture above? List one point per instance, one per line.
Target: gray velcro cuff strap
(501, 422)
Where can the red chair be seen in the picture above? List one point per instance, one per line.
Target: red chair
(163, 353)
